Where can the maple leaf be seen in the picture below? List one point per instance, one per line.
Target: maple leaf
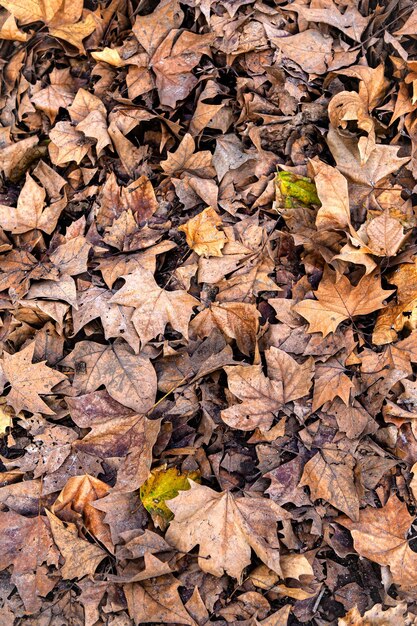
(154, 306)
(332, 189)
(30, 212)
(261, 398)
(81, 557)
(329, 477)
(152, 29)
(27, 545)
(157, 599)
(236, 320)
(128, 438)
(116, 319)
(225, 528)
(173, 61)
(28, 381)
(338, 300)
(129, 378)
(392, 320)
(202, 233)
(380, 535)
(310, 49)
(74, 504)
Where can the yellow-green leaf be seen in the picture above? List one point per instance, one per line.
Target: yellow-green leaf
(293, 190)
(164, 484)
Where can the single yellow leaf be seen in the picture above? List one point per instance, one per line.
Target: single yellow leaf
(203, 235)
(164, 484)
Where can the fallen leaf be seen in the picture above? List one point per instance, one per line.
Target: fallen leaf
(164, 484)
(338, 300)
(380, 535)
(28, 381)
(202, 233)
(154, 307)
(81, 557)
(129, 378)
(226, 528)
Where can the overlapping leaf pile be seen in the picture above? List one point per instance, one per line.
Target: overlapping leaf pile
(209, 401)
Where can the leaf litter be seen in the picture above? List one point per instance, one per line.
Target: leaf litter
(208, 313)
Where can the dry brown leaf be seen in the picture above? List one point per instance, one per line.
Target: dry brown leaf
(261, 397)
(338, 300)
(67, 144)
(27, 545)
(173, 61)
(330, 478)
(225, 528)
(154, 307)
(129, 378)
(236, 320)
(74, 504)
(380, 535)
(128, 438)
(29, 381)
(81, 557)
(186, 159)
(116, 319)
(150, 30)
(157, 599)
(377, 616)
(401, 312)
(30, 212)
(351, 22)
(203, 235)
(310, 49)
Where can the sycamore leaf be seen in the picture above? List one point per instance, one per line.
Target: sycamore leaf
(51, 12)
(116, 319)
(377, 616)
(380, 535)
(225, 528)
(338, 300)
(81, 557)
(261, 398)
(150, 30)
(27, 545)
(173, 61)
(332, 189)
(29, 381)
(129, 378)
(202, 233)
(154, 307)
(74, 504)
(236, 320)
(401, 312)
(157, 600)
(310, 49)
(295, 189)
(331, 479)
(30, 212)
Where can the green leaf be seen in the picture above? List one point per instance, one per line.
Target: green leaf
(294, 190)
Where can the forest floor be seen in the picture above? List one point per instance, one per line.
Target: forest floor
(208, 312)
